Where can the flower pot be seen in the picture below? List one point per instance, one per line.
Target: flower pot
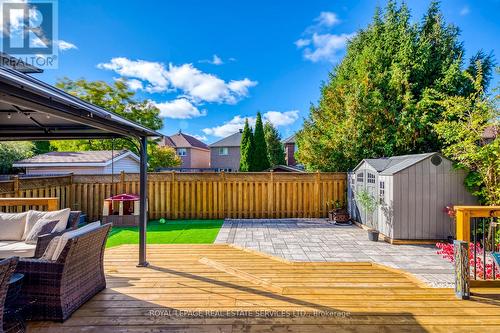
(373, 235)
(341, 216)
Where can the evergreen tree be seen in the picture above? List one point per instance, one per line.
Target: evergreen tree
(275, 149)
(380, 100)
(260, 158)
(246, 148)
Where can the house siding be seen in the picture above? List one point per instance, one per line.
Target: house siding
(199, 158)
(230, 161)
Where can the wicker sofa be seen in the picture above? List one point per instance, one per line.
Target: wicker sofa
(18, 247)
(54, 289)
(7, 267)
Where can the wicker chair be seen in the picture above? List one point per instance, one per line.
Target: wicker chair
(58, 288)
(7, 267)
(44, 239)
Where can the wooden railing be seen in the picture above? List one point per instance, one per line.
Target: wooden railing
(204, 195)
(476, 228)
(24, 204)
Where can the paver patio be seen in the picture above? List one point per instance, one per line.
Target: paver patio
(319, 240)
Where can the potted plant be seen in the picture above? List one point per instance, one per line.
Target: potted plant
(369, 203)
(338, 214)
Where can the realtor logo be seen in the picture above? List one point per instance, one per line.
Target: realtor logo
(29, 31)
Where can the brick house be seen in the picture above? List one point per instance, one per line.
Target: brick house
(193, 152)
(225, 153)
(290, 149)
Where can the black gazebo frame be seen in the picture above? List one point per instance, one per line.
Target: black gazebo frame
(33, 110)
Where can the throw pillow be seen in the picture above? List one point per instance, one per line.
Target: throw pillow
(41, 227)
(12, 226)
(35, 215)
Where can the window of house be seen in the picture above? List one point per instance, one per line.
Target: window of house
(371, 178)
(359, 177)
(182, 151)
(381, 192)
(223, 151)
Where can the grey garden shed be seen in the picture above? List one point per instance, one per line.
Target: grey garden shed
(411, 193)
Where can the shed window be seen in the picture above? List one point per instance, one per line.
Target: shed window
(381, 192)
(360, 177)
(371, 178)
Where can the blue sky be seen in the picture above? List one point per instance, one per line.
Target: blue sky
(210, 64)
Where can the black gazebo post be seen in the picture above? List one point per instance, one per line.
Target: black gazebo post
(143, 214)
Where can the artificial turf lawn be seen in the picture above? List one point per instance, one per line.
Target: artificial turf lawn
(171, 232)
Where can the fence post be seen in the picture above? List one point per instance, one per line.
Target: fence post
(270, 198)
(175, 198)
(223, 195)
(463, 225)
(16, 186)
(462, 269)
(317, 195)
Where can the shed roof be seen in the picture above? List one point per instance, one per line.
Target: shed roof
(394, 164)
(75, 158)
(234, 140)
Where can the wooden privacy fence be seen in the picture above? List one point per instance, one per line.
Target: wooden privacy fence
(174, 195)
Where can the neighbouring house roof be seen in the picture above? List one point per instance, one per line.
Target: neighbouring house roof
(290, 139)
(234, 140)
(75, 158)
(182, 140)
(394, 164)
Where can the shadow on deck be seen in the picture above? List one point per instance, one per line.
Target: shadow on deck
(219, 288)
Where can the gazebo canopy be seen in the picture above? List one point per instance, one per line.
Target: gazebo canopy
(33, 110)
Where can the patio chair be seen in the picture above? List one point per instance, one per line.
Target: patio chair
(7, 267)
(55, 288)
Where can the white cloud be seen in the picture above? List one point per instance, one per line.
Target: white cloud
(465, 11)
(327, 19)
(238, 122)
(228, 128)
(281, 118)
(152, 72)
(179, 108)
(134, 84)
(216, 60)
(320, 45)
(194, 84)
(326, 46)
(200, 86)
(300, 43)
(64, 45)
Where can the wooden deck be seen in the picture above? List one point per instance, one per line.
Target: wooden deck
(219, 288)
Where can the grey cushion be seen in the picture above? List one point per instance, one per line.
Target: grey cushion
(35, 215)
(42, 227)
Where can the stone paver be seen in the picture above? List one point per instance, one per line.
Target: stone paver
(318, 240)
